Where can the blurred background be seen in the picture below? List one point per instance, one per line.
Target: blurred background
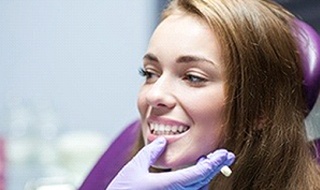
(69, 81)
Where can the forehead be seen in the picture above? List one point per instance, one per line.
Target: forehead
(178, 26)
(184, 34)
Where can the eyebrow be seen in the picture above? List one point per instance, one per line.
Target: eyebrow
(192, 58)
(150, 57)
(180, 59)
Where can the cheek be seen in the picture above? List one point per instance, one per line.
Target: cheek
(209, 123)
(142, 103)
(206, 109)
(143, 108)
(207, 115)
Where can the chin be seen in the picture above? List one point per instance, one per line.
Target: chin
(173, 164)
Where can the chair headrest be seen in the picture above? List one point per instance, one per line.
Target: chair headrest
(309, 42)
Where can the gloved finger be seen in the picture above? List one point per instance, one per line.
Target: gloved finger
(150, 153)
(201, 173)
(205, 187)
(202, 158)
(229, 160)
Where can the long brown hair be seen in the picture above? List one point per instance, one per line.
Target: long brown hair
(265, 107)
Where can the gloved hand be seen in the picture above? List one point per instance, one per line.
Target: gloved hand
(135, 175)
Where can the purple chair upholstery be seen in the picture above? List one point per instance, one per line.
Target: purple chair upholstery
(115, 157)
(117, 154)
(317, 149)
(309, 42)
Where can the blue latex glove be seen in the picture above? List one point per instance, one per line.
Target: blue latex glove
(136, 175)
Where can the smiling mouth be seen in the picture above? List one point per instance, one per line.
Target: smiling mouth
(161, 129)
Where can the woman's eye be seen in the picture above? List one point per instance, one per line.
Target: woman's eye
(144, 73)
(147, 74)
(195, 79)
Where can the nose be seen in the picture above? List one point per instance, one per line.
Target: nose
(161, 94)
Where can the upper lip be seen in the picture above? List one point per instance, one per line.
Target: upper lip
(165, 121)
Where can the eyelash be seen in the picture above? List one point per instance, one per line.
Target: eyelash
(145, 73)
(149, 76)
(195, 80)
(192, 79)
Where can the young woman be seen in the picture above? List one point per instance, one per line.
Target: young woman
(225, 74)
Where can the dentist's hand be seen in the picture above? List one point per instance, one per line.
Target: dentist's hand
(135, 175)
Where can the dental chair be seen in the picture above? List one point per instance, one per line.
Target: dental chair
(113, 159)
(118, 153)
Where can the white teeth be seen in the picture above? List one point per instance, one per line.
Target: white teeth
(161, 129)
(174, 129)
(151, 127)
(180, 129)
(167, 128)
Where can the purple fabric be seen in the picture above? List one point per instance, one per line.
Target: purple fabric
(317, 149)
(116, 156)
(309, 42)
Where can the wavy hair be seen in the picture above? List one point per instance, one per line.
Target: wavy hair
(265, 107)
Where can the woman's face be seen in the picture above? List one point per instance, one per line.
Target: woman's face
(183, 96)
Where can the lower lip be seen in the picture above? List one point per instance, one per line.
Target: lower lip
(170, 138)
